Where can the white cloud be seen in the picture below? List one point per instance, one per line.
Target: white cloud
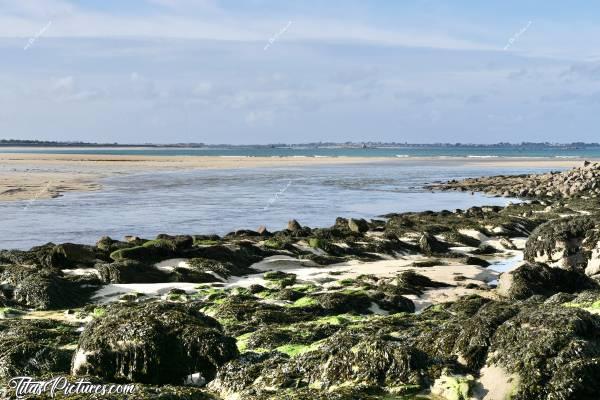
(205, 20)
(65, 84)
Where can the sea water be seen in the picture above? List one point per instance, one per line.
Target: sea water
(221, 201)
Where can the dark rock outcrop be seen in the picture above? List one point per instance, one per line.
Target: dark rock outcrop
(45, 289)
(130, 271)
(430, 245)
(35, 347)
(554, 351)
(567, 243)
(539, 279)
(358, 225)
(153, 343)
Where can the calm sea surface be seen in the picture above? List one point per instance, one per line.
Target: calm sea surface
(426, 151)
(219, 201)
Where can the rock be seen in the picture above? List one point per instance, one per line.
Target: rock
(152, 343)
(554, 351)
(577, 182)
(69, 255)
(485, 249)
(219, 269)
(238, 260)
(560, 298)
(430, 245)
(476, 261)
(410, 282)
(130, 271)
(106, 244)
(453, 387)
(190, 275)
(507, 244)
(344, 302)
(35, 347)
(152, 253)
(460, 239)
(242, 314)
(242, 233)
(283, 279)
(39, 256)
(392, 303)
(262, 231)
(565, 243)
(45, 289)
(294, 226)
(539, 279)
(358, 225)
(593, 265)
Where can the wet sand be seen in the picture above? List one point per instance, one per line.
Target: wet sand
(26, 176)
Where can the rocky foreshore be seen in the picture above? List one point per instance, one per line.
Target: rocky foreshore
(402, 307)
(582, 181)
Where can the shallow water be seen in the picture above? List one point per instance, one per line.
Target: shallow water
(470, 151)
(219, 201)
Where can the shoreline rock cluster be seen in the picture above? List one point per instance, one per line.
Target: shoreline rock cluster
(536, 336)
(577, 182)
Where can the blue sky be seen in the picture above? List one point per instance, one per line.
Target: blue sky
(263, 71)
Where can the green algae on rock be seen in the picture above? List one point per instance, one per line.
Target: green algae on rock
(153, 343)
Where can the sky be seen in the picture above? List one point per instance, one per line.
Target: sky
(297, 71)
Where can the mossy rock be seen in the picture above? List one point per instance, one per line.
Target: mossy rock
(206, 240)
(566, 241)
(539, 279)
(152, 343)
(131, 271)
(35, 347)
(281, 279)
(554, 350)
(46, 289)
(456, 237)
(70, 255)
(318, 243)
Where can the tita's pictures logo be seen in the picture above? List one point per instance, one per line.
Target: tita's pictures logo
(25, 386)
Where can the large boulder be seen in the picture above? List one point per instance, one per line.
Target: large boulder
(565, 243)
(153, 343)
(539, 279)
(553, 351)
(593, 265)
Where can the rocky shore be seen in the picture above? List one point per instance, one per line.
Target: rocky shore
(402, 307)
(582, 181)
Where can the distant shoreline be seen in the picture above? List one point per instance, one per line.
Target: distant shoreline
(12, 143)
(413, 152)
